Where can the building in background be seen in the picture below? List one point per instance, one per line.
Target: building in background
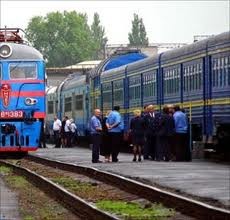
(56, 75)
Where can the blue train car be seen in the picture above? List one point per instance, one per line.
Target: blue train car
(74, 101)
(22, 89)
(70, 98)
(196, 77)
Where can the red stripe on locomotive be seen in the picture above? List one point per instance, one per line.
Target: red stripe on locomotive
(27, 93)
(17, 149)
(39, 115)
(27, 81)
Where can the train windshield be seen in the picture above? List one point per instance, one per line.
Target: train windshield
(23, 70)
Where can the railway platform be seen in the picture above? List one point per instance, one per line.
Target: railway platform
(199, 179)
(9, 208)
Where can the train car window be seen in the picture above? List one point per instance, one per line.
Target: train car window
(50, 107)
(68, 104)
(134, 88)
(107, 95)
(185, 80)
(171, 80)
(184, 72)
(218, 72)
(149, 84)
(118, 94)
(23, 70)
(222, 73)
(196, 77)
(227, 70)
(190, 79)
(192, 76)
(0, 71)
(78, 102)
(166, 82)
(200, 77)
(96, 82)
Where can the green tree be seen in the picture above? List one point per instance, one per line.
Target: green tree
(138, 36)
(98, 34)
(63, 38)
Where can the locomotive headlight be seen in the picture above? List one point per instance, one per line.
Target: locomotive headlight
(31, 101)
(5, 50)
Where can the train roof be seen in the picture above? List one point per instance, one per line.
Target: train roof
(132, 67)
(221, 39)
(117, 71)
(51, 90)
(118, 59)
(172, 55)
(142, 64)
(20, 52)
(74, 81)
(194, 48)
(188, 50)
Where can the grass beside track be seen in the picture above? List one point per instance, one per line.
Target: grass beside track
(135, 210)
(33, 203)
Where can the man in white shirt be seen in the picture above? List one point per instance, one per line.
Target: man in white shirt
(67, 130)
(57, 130)
(73, 129)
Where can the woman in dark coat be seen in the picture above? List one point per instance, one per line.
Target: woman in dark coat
(105, 145)
(137, 128)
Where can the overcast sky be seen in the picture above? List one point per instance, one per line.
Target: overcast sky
(165, 21)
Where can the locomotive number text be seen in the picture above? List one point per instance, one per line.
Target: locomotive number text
(11, 114)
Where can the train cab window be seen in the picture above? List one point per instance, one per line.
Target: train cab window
(26, 70)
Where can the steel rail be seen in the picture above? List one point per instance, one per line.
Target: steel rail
(187, 206)
(70, 201)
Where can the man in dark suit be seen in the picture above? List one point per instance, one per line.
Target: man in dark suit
(150, 133)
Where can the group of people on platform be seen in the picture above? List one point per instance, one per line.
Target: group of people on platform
(158, 136)
(65, 132)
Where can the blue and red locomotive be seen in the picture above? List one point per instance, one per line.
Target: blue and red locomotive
(22, 93)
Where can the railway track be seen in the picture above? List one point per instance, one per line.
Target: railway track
(75, 204)
(187, 206)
